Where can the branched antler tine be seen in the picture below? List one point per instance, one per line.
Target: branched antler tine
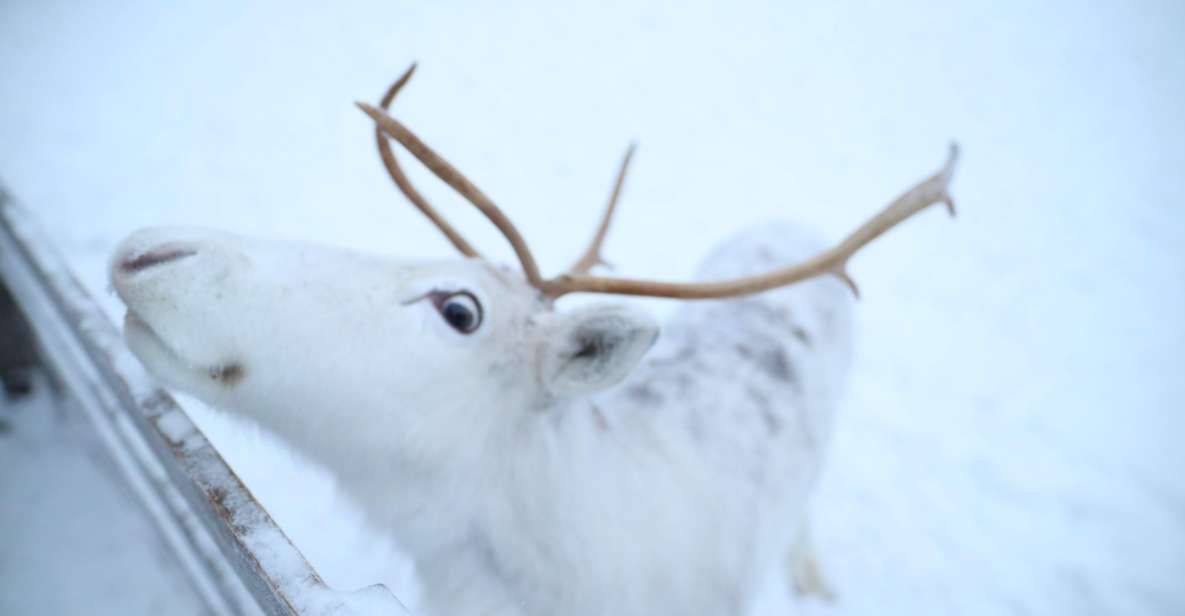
(401, 180)
(934, 189)
(451, 176)
(592, 256)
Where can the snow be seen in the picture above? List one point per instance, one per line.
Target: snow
(83, 546)
(1010, 440)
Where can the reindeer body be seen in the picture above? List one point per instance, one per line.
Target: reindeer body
(668, 493)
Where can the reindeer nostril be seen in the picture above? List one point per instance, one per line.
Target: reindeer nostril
(136, 262)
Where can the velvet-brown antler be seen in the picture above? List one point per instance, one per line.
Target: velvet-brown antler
(592, 255)
(449, 174)
(935, 189)
(404, 184)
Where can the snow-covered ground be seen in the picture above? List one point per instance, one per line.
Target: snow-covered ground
(71, 542)
(1011, 442)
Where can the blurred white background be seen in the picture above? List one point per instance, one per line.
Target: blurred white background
(1011, 442)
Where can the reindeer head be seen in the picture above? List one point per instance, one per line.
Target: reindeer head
(379, 355)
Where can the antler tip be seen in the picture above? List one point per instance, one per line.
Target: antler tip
(389, 96)
(368, 109)
(952, 159)
(843, 276)
(948, 171)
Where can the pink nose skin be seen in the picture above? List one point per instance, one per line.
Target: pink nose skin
(139, 261)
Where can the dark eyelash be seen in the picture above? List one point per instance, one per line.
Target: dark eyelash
(434, 293)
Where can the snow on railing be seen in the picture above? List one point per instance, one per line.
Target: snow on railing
(239, 560)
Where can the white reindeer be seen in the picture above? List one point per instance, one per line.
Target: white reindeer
(531, 461)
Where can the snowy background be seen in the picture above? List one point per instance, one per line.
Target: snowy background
(1012, 438)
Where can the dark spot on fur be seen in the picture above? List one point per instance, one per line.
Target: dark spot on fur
(773, 423)
(802, 336)
(228, 374)
(775, 362)
(771, 358)
(757, 396)
(644, 393)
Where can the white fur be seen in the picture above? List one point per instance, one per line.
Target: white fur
(524, 476)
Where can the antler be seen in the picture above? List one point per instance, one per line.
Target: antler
(404, 184)
(834, 261)
(934, 189)
(449, 174)
(592, 255)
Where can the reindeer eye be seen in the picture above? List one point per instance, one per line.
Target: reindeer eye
(460, 310)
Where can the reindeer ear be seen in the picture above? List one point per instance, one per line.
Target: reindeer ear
(594, 347)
